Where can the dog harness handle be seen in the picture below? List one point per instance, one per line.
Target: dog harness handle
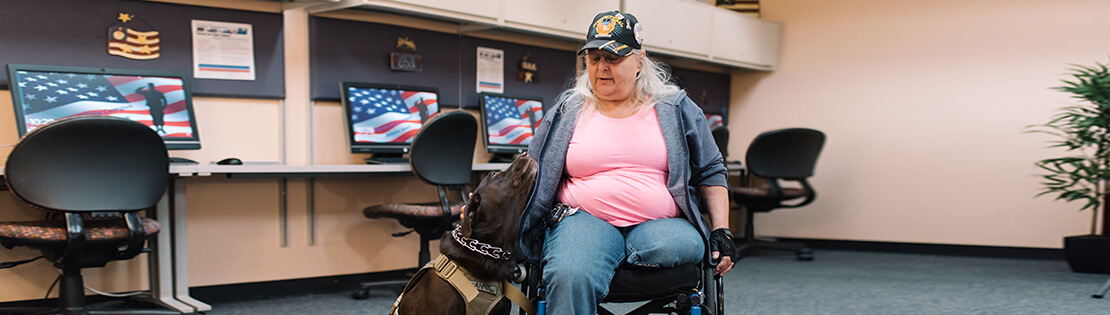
(518, 297)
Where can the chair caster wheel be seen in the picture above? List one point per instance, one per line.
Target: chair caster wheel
(361, 294)
(1097, 296)
(804, 254)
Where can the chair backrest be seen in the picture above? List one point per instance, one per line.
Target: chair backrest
(720, 136)
(442, 152)
(87, 164)
(785, 153)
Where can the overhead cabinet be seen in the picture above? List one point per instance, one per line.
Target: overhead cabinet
(565, 18)
(681, 28)
(481, 8)
(677, 27)
(740, 39)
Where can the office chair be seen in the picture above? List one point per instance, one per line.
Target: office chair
(91, 176)
(720, 136)
(776, 157)
(442, 154)
(1102, 291)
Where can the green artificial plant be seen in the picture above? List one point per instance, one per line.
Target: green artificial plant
(1084, 131)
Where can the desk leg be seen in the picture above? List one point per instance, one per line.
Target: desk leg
(160, 264)
(181, 249)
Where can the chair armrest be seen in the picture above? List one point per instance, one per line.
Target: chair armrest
(810, 194)
(135, 239)
(75, 238)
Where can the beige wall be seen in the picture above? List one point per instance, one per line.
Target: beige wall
(924, 104)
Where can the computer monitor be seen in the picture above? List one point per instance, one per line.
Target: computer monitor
(382, 119)
(159, 99)
(508, 122)
(715, 120)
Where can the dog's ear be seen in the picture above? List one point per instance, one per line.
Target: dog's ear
(470, 212)
(519, 179)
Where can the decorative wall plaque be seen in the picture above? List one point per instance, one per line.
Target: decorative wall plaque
(528, 69)
(406, 59)
(133, 38)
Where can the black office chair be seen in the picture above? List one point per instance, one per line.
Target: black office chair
(720, 136)
(91, 176)
(442, 154)
(776, 157)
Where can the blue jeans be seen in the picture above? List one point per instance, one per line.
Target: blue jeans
(582, 252)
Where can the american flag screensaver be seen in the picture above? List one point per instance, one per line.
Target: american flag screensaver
(50, 96)
(388, 115)
(508, 120)
(715, 120)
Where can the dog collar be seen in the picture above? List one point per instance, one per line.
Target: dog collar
(481, 248)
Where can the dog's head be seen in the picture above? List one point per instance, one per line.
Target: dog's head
(493, 212)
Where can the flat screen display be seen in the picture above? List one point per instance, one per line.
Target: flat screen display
(384, 118)
(715, 120)
(161, 100)
(508, 121)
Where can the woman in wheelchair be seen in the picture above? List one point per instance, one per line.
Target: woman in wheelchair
(626, 162)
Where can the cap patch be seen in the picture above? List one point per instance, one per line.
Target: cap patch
(605, 25)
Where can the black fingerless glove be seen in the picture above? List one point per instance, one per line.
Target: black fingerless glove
(720, 240)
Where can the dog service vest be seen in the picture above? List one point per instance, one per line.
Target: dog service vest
(480, 296)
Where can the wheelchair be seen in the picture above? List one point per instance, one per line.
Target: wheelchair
(684, 289)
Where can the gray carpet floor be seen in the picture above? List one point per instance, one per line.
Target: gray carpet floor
(836, 282)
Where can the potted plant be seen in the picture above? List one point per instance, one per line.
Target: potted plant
(1084, 131)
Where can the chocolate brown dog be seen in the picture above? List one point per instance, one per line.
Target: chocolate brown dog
(482, 245)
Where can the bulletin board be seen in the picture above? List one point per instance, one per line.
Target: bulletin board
(75, 33)
(555, 70)
(343, 50)
(709, 90)
(353, 51)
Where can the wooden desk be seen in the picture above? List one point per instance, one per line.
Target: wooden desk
(169, 281)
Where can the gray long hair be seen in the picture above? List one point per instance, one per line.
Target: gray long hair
(652, 82)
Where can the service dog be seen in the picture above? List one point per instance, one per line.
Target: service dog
(475, 260)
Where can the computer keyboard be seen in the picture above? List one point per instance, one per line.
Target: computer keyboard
(181, 160)
(387, 160)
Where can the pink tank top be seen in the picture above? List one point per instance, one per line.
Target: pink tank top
(617, 169)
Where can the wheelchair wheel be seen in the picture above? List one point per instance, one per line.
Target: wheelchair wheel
(713, 288)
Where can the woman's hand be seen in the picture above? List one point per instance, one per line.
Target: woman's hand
(724, 265)
(722, 249)
(721, 246)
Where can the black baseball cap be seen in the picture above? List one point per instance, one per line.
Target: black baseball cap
(615, 32)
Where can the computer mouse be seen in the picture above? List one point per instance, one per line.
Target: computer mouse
(230, 161)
